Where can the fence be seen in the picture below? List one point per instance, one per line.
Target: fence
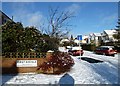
(24, 55)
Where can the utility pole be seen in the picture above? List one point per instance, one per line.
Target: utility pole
(79, 37)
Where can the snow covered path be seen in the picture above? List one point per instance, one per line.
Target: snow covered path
(96, 73)
(82, 72)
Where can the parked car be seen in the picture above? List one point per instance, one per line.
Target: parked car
(76, 51)
(117, 49)
(106, 50)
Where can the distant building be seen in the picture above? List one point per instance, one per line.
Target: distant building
(4, 18)
(95, 38)
(90, 38)
(76, 41)
(107, 36)
(85, 39)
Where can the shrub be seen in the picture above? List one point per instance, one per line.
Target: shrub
(58, 63)
(89, 47)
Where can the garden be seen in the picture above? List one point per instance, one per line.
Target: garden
(20, 42)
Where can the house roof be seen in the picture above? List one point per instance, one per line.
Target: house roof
(110, 31)
(2, 13)
(76, 41)
(85, 37)
(90, 34)
(4, 16)
(97, 34)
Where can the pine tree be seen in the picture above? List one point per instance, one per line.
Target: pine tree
(117, 36)
(71, 38)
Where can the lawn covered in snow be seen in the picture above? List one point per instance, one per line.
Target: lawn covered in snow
(82, 72)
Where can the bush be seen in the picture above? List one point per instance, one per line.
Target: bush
(89, 47)
(58, 63)
(16, 38)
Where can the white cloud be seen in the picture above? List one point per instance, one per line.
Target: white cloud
(74, 8)
(109, 19)
(29, 19)
(34, 19)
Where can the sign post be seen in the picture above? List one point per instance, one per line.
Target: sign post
(79, 37)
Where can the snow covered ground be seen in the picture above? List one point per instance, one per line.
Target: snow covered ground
(82, 72)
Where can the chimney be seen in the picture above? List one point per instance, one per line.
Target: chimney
(12, 18)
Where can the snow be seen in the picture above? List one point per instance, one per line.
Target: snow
(76, 41)
(76, 48)
(82, 72)
(97, 34)
(50, 51)
(64, 40)
(110, 31)
(62, 49)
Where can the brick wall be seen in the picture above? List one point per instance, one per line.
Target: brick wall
(9, 65)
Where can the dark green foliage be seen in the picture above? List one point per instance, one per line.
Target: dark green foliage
(16, 38)
(48, 43)
(10, 35)
(117, 36)
(71, 38)
(89, 47)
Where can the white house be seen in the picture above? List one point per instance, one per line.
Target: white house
(107, 35)
(85, 39)
(91, 37)
(76, 41)
(95, 38)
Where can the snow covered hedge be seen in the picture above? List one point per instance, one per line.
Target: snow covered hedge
(57, 63)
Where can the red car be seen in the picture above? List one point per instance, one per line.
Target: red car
(76, 51)
(106, 50)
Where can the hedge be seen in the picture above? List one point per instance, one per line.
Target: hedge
(89, 47)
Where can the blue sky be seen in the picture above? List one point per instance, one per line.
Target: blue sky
(91, 17)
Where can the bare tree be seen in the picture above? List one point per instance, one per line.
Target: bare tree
(58, 22)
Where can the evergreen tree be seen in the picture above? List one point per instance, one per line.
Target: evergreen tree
(10, 33)
(117, 36)
(71, 38)
(16, 38)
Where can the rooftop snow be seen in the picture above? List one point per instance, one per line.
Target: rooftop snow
(110, 31)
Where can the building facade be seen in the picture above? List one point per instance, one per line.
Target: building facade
(107, 36)
(4, 18)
